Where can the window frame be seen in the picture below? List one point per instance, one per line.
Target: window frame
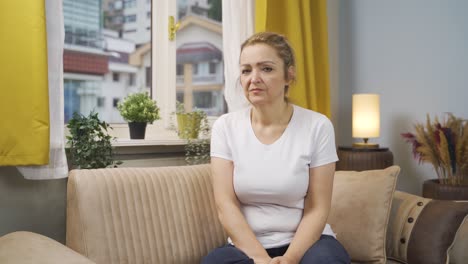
(163, 56)
(163, 88)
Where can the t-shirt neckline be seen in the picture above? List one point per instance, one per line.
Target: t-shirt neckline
(283, 135)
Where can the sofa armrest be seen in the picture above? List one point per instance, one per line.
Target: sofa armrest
(28, 248)
(422, 230)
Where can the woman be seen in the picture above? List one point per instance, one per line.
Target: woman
(273, 165)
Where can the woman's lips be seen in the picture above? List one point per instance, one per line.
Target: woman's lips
(255, 90)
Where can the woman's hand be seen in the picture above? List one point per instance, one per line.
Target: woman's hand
(283, 260)
(262, 260)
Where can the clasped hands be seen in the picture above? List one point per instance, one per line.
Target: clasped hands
(277, 260)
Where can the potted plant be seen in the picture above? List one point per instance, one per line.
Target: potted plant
(138, 110)
(189, 124)
(445, 146)
(89, 143)
(194, 127)
(197, 150)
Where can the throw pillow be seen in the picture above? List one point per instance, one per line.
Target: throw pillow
(424, 230)
(361, 204)
(458, 252)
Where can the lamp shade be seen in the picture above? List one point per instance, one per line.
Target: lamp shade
(366, 115)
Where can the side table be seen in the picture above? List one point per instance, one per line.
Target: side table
(359, 159)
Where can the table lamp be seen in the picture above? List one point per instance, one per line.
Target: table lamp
(366, 119)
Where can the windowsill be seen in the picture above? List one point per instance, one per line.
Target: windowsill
(126, 142)
(158, 139)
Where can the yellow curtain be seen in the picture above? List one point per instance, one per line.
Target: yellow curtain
(24, 99)
(304, 23)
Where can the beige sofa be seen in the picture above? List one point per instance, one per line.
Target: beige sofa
(167, 215)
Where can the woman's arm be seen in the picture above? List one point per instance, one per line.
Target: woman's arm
(229, 212)
(316, 209)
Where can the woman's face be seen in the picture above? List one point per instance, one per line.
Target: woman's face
(262, 74)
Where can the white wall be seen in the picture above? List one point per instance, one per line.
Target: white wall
(413, 53)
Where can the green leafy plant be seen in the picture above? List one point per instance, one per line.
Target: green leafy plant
(139, 107)
(197, 150)
(194, 127)
(444, 145)
(189, 124)
(89, 142)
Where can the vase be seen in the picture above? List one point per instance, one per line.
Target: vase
(435, 190)
(188, 125)
(137, 130)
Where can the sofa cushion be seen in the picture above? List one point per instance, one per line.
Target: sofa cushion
(458, 252)
(361, 206)
(406, 208)
(423, 230)
(436, 226)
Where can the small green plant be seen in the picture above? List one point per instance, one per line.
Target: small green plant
(197, 150)
(194, 127)
(189, 124)
(139, 107)
(89, 142)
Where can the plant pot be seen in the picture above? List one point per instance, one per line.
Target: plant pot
(137, 130)
(188, 125)
(434, 190)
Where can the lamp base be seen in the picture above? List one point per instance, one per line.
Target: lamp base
(365, 145)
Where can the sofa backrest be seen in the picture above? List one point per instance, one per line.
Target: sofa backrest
(143, 215)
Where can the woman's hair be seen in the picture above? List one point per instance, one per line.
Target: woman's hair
(281, 45)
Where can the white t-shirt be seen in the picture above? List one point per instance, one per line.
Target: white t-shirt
(271, 181)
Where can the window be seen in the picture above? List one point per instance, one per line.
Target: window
(131, 79)
(115, 102)
(117, 20)
(180, 97)
(195, 69)
(116, 5)
(148, 77)
(110, 55)
(130, 18)
(101, 101)
(180, 69)
(212, 68)
(129, 3)
(203, 99)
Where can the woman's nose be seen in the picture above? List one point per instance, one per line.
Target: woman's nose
(255, 77)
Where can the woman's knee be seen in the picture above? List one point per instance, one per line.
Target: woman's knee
(227, 255)
(326, 250)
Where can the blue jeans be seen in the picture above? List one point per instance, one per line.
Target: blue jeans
(327, 250)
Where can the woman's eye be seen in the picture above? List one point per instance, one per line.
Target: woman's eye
(267, 69)
(245, 71)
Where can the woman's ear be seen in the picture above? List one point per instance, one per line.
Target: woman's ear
(291, 74)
